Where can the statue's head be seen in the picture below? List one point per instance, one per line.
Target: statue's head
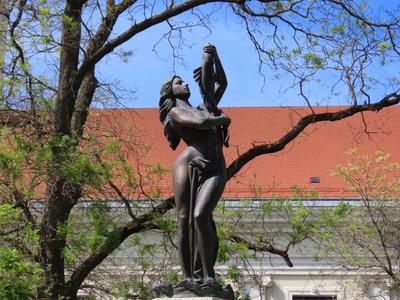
(180, 88)
(166, 89)
(174, 88)
(170, 90)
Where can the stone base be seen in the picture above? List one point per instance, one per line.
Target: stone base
(190, 290)
(190, 298)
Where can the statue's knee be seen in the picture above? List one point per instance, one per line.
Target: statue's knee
(183, 219)
(200, 217)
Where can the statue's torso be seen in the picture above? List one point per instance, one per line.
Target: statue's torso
(203, 143)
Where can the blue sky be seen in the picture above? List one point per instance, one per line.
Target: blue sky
(146, 70)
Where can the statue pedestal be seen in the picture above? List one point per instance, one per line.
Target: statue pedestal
(189, 298)
(188, 290)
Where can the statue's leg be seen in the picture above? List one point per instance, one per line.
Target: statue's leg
(198, 269)
(182, 200)
(206, 235)
(215, 254)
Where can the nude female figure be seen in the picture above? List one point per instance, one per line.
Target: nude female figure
(199, 173)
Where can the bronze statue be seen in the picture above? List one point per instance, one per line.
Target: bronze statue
(199, 173)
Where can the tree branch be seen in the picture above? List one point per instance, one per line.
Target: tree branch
(364, 20)
(82, 104)
(69, 57)
(141, 26)
(242, 160)
(144, 222)
(265, 247)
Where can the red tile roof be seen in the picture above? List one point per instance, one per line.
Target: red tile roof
(315, 153)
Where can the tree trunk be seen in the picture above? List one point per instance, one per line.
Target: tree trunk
(62, 194)
(62, 197)
(3, 38)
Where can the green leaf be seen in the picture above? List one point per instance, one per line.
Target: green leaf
(340, 29)
(383, 46)
(314, 59)
(19, 278)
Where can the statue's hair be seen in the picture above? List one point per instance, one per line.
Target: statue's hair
(167, 102)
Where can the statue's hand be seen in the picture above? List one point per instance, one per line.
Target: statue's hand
(226, 121)
(210, 49)
(212, 108)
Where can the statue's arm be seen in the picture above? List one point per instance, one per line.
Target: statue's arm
(214, 86)
(207, 78)
(197, 119)
(211, 78)
(221, 81)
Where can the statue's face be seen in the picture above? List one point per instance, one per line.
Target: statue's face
(180, 89)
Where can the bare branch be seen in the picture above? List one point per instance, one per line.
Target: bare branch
(348, 9)
(235, 166)
(264, 247)
(119, 193)
(141, 26)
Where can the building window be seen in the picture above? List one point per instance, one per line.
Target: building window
(305, 297)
